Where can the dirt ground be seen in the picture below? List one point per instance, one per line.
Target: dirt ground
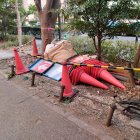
(91, 105)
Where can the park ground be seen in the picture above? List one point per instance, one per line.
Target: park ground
(90, 107)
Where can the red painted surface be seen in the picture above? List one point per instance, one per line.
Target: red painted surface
(43, 66)
(20, 68)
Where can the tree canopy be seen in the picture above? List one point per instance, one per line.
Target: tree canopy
(101, 18)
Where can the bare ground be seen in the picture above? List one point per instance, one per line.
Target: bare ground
(90, 105)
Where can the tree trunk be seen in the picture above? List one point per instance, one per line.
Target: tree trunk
(99, 51)
(99, 35)
(18, 24)
(47, 19)
(47, 29)
(59, 26)
(136, 39)
(44, 32)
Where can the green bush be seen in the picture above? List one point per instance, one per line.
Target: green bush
(26, 39)
(112, 51)
(9, 44)
(82, 44)
(12, 40)
(118, 51)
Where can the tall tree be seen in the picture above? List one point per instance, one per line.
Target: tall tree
(18, 24)
(48, 16)
(101, 18)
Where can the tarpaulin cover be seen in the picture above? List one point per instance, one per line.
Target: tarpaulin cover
(59, 51)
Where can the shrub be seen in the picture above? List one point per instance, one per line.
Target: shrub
(112, 51)
(26, 39)
(118, 51)
(9, 44)
(82, 44)
(12, 40)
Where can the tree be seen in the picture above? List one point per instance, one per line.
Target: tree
(18, 24)
(101, 18)
(7, 18)
(48, 17)
(10, 10)
(25, 13)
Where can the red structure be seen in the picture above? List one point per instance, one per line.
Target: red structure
(85, 78)
(20, 68)
(68, 91)
(35, 50)
(105, 75)
(93, 73)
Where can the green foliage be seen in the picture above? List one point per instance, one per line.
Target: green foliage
(9, 44)
(26, 39)
(118, 51)
(97, 17)
(101, 18)
(7, 17)
(12, 40)
(113, 51)
(82, 44)
(25, 13)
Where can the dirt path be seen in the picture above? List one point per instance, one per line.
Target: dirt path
(6, 54)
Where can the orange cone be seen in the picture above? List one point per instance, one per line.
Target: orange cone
(87, 79)
(68, 91)
(35, 50)
(20, 69)
(105, 75)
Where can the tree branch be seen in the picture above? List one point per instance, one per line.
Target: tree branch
(38, 5)
(48, 5)
(51, 4)
(94, 41)
(56, 4)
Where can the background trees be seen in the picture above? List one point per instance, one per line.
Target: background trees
(7, 18)
(102, 18)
